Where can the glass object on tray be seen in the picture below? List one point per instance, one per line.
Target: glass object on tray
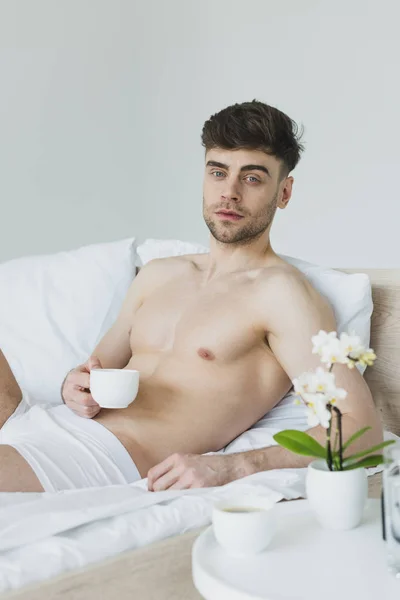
(391, 506)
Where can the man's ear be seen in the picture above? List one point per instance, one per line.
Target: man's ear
(286, 192)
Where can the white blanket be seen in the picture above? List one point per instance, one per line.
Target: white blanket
(43, 535)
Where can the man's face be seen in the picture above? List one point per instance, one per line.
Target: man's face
(241, 191)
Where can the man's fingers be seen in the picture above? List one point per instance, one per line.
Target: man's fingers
(159, 470)
(181, 484)
(84, 411)
(94, 363)
(83, 399)
(79, 379)
(167, 481)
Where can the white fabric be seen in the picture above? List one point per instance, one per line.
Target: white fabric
(54, 309)
(67, 452)
(43, 535)
(151, 249)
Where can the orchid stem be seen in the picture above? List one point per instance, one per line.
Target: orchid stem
(339, 426)
(328, 442)
(336, 438)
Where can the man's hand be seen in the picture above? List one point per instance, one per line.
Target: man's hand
(76, 390)
(184, 471)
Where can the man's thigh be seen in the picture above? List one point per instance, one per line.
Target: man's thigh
(15, 473)
(10, 392)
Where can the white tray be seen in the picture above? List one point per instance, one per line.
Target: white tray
(303, 561)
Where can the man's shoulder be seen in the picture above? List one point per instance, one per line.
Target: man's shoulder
(286, 300)
(281, 274)
(284, 283)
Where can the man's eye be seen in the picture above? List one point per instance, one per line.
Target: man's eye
(218, 174)
(252, 179)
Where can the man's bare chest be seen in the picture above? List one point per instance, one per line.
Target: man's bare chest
(215, 322)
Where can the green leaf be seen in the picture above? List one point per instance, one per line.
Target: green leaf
(300, 443)
(369, 451)
(370, 461)
(355, 437)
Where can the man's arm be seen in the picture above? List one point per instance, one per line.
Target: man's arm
(292, 313)
(113, 351)
(10, 392)
(300, 313)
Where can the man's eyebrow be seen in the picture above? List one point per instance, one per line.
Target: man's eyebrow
(214, 163)
(256, 168)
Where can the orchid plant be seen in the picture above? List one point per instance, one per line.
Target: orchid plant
(319, 393)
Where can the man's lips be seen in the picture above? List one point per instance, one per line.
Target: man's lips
(228, 215)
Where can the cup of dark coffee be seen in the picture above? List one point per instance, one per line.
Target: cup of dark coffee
(245, 524)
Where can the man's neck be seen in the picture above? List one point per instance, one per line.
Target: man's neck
(230, 258)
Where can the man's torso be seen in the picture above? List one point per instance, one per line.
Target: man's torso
(206, 371)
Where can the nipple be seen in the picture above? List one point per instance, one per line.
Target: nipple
(206, 354)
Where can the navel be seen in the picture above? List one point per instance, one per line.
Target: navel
(206, 354)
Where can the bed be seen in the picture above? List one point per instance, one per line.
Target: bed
(162, 570)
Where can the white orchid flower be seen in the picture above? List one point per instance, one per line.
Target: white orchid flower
(351, 344)
(347, 350)
(317, 389)
(329, 347)
(336, 394)
(317, 412)
(356, 350)
(312, 382)
(321, 340)
(334, 352)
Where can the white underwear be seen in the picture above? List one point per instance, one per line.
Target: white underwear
(65, 451)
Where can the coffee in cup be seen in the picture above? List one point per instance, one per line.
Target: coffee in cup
(245, 524)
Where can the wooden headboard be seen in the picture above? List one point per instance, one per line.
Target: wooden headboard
(384, 377)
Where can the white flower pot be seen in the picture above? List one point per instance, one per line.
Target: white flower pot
(337, 497)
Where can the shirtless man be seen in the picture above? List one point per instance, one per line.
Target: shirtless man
(217, 339)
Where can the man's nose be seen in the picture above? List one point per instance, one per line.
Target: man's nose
(231, 191)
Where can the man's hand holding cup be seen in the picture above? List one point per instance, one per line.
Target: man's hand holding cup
(76, 389)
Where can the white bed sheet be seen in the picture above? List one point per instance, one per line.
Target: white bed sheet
(43, 535)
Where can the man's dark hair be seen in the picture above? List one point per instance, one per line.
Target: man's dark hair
(255, 126)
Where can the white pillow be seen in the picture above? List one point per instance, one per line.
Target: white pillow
(55, 308)
(151, 249)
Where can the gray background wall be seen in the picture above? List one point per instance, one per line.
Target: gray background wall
(102, 103)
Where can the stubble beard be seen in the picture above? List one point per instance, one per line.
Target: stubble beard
(228, 232)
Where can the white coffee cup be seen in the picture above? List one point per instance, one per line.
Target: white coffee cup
(114, 388)
(244, 532)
